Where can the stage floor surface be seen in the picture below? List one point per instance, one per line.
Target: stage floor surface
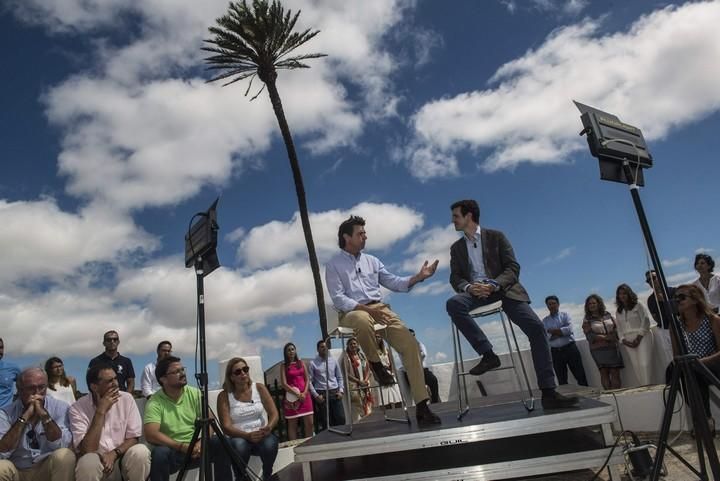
(497, 439)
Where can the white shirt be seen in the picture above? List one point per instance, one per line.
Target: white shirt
(148, 383)
(352, 280)
(712, 293)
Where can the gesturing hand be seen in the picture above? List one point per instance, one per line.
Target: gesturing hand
(427, 270)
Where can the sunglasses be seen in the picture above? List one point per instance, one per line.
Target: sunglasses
(34, 442)
(112, 339)
(240, 370)
(177, 371)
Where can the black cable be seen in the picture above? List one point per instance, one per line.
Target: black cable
(612, 450)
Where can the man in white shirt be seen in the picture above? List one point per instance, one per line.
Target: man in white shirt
(353, 279)
(148, 383)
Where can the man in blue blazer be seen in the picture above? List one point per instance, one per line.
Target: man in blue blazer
(483, 270)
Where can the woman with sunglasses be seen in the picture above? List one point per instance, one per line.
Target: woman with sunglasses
(601, 332)
(297, 403)
(700, 327)
(633, 324)
(60, 385)
(358, 373)
(247, 416)
(708, 282)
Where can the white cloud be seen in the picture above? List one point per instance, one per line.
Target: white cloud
(278, 241)
(566, 252)
(704, 250)
(40, 240)
(440, 357)
(681, 278)
(433, 288)
(528, 115)
(675, 262)
(429, 245)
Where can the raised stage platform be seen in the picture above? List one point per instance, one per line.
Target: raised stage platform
(497, 439)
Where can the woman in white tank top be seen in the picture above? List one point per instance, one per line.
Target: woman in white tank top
(60, 386)
(248, 415)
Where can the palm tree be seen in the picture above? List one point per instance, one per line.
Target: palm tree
(255, 41)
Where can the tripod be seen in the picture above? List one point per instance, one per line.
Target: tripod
(687, 366)
(203, 425)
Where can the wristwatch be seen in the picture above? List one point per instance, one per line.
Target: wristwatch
(118, 452)
(46, 421)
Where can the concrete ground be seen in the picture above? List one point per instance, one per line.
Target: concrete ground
(676, 470)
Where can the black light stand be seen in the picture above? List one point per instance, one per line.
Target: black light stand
(200, 245)
(621, 148)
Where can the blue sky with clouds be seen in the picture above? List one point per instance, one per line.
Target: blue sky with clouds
(111, 140)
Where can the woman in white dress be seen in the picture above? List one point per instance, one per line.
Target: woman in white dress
(60, 385)
(390, 395)
(633, 324)
(708, 282)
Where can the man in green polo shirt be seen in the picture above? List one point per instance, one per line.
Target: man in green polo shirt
(169, 424)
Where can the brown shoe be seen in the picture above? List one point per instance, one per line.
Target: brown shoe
(424, 416)
(382, 375)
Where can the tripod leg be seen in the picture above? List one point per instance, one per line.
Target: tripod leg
(188, 455)
(665, 426)
(235, 461)
(702, 430)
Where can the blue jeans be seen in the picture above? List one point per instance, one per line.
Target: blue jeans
(166, 461)
(267, 449)
(520, 313)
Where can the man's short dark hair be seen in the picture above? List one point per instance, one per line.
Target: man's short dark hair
(468, 205)
(162, 343)
(92, 376)
(347, 228)
(163, 365)
(552, 297)
(317, 345)
(648, 276)
(708, 260)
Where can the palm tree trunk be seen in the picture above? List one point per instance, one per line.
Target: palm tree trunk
(302, 202)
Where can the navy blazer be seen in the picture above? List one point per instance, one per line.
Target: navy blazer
(499, 260)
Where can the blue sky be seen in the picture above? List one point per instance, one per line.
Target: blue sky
(111, 140)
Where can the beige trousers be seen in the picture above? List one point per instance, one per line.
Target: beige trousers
(134, 466)
(397, 335)
(59, 466)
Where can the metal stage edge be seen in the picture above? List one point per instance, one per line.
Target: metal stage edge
(483, 424)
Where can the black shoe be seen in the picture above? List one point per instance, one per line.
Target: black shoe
(489, 361)
(382, 375)
(555, 400)
(424, 416)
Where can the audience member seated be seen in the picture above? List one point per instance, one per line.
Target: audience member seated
(122, 365)
(169, 424)
(8, 375)
(297, 403)
(248, 416)
(708, 282)
(60, 386)
(333, 382)
(390, 394)
(701, 329)
(148, 383)
(565, 353)
(601, 333)
(34, 434)
(358, 373)
(633, 325)
(106, 428)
